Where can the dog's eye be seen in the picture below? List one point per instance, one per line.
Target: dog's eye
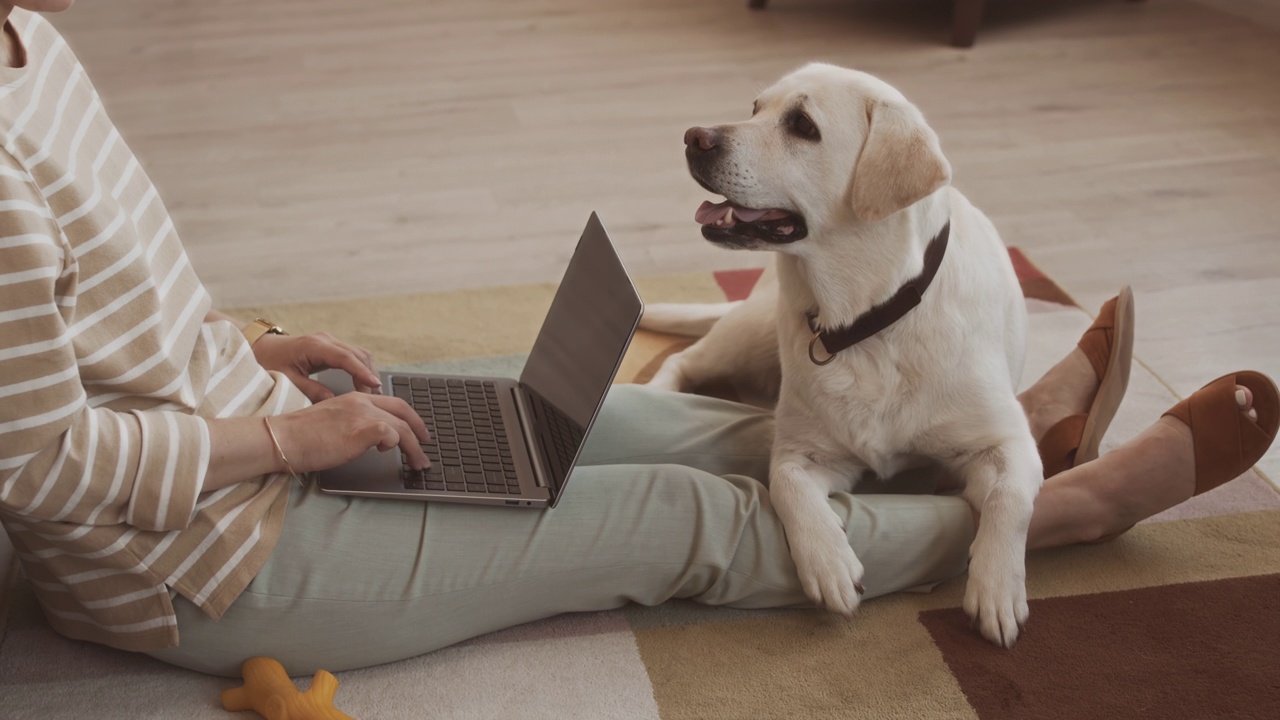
(755, 108)
(802, 125)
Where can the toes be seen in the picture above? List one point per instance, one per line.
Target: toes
(848, 600)
(835, 595)
(1000, 625)
(1244, 399)
(811, 590)
(843, 590)
(996, 605)
(830, 576)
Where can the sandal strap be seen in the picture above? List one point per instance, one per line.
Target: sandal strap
(1059, 444)
(1096, 342)
(1225, 442)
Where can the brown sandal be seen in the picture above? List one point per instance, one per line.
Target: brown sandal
(1225, 441)
(1108, 344)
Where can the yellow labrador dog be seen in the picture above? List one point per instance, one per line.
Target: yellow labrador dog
(890, 330)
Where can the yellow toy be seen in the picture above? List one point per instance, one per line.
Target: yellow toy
(268, 690)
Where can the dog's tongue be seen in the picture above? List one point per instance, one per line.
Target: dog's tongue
(710, 213)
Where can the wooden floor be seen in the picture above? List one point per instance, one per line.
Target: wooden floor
(322, 148)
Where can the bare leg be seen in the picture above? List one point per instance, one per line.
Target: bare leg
(1147, 475)
(1066, 389)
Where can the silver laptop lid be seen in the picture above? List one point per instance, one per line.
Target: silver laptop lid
(586, 332)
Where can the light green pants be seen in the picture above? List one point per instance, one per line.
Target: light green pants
(668, 502)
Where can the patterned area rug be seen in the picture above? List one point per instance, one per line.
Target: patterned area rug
(1177, 619)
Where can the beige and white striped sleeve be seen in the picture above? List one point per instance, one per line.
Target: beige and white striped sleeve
(60, 459)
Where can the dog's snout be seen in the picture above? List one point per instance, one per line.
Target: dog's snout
(700, 139)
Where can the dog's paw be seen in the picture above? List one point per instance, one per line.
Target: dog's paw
(669, 377)
(996, 602)
(830, 572)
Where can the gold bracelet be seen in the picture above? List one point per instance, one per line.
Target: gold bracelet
(280, 450)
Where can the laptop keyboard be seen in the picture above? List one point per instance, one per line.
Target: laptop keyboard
(468, 447)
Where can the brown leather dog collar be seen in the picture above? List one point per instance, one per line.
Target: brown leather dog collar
(885, 314)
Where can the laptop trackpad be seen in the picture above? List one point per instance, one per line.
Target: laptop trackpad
(374, 471)
(339, 381)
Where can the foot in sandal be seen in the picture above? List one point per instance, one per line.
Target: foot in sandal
(1208, 439)
(1072, 406)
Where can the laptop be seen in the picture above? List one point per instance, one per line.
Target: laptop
(505, 442)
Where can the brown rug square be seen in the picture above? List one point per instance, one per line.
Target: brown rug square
(1192, 650)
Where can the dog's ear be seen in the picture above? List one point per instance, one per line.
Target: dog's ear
(901, 162)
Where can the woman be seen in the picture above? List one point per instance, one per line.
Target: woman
(147, 444)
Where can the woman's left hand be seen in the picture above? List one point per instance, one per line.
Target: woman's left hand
(298, 356)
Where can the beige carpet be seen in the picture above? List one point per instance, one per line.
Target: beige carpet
(905, 656)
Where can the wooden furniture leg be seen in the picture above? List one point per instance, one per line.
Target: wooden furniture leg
(964, 22)
(965, 18)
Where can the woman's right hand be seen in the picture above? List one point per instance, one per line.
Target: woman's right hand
(325, 435)
(340, 429)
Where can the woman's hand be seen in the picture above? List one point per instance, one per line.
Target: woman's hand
(298, 356)
(339, 430)
(325, 435)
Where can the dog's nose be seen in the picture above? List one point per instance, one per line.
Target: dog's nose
(700, 139)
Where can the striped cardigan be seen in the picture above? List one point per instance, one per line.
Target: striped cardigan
(108, 371)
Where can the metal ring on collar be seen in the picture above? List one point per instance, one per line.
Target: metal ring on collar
(813, 357)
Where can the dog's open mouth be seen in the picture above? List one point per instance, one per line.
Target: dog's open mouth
(729, 224)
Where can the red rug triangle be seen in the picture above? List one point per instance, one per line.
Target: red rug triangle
(737, 284)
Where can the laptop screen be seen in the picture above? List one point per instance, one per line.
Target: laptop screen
(585, 334)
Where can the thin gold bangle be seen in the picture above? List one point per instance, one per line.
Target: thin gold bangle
(276, 442)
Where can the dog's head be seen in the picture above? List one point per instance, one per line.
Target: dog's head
(825, 146)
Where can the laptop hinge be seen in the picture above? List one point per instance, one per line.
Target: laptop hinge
(532, 441)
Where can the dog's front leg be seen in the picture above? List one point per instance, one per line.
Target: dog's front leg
(1001, 483)
(741, 348)
(829, 571)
